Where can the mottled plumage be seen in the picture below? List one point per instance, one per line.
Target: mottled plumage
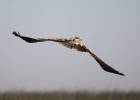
(72, 43)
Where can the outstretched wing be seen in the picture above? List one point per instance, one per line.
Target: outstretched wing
(65, 42)
(34, 40)
(104, 66)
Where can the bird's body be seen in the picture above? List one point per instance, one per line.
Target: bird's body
(72, 43)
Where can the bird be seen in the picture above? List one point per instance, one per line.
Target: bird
(72, 43)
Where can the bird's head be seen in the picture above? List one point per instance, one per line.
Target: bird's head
(77, 40)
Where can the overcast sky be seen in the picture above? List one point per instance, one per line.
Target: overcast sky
(110, 28)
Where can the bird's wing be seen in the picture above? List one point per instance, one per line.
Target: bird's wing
(104, 66)
(34, 40)
(83, 48)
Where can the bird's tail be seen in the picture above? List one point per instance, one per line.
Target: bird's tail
(105, 66)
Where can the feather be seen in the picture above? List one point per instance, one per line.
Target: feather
(105, 66)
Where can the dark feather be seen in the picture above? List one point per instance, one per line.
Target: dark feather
(105, 66)
(27, 39)
(33, 40)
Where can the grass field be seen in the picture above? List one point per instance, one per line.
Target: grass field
(70, 96)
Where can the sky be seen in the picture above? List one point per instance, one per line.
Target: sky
(109, 28)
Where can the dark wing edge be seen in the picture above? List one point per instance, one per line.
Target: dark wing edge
(34, 40)
(104, 66)
(28, 39)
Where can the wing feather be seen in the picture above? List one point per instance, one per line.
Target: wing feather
(105, 66)
(71, 45)
(34, 40)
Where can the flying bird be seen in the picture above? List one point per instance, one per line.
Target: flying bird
(72, 43)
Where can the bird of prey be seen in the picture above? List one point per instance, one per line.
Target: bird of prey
(72, 43)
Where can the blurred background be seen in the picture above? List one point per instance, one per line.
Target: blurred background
(110, 28)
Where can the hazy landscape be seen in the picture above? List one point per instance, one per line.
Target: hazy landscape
(70, 95)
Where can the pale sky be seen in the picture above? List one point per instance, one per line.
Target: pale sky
(110, 28)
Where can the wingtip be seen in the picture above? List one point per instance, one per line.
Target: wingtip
(16, 33)
(116, 72)
(121, 74)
